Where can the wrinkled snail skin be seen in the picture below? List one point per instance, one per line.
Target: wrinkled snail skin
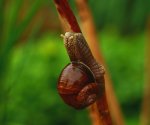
(78, 50)
(77, 86)
(82, 81)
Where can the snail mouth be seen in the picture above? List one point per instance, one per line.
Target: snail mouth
(69, 36)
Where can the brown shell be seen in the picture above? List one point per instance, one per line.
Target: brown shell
(73, 78)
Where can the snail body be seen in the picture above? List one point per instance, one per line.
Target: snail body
(82, 81)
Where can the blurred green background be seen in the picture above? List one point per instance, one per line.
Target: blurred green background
(32, 56)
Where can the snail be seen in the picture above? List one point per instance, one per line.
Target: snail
(81, 82)
(77, 86)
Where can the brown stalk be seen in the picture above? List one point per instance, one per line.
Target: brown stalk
(145, 115)
(67, 15)
(89, 32)
(100, 109)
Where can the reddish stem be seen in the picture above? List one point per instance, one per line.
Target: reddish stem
(67, 14)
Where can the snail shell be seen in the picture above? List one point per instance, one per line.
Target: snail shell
(76, 85)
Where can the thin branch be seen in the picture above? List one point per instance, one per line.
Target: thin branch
(67, 15)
